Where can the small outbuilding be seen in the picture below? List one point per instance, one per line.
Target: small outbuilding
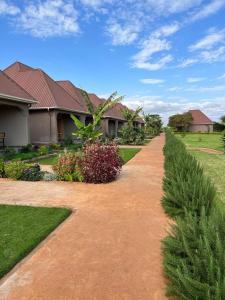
(200, 122)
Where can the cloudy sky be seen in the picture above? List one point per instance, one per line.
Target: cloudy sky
(167, 56)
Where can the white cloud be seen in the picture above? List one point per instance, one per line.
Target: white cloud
(122, 35)
(188, 62)
(8, 9)
(175, 89)
(195, 79)
(151, 81)
(216, 88)
(214, 108)
(222, 76)
(166, 30)
(209, 41)
(49, 18)
(213, 55)
(207, 10)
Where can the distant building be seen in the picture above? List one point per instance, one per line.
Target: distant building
(200, 122)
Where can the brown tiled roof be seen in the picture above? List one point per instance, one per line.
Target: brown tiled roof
(43, 88)
(9, 87)
(199, 118)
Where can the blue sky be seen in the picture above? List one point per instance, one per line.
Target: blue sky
(167, 56)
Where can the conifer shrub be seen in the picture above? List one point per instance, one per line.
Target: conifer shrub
(194, 257)
(185, 186)
(194, 250)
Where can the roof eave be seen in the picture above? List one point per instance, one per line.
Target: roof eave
(17, 99)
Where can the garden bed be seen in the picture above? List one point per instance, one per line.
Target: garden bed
(22, 228)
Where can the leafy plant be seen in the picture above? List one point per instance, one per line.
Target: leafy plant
(15, 169)
(32, 173)
(153, 124)
(223, 139)
(180, 121)
(91, 131)
(26, 148)
(129, 133)
(2, 168)
(101, 163)
(68, 167)
(47, 176)
(42, 150)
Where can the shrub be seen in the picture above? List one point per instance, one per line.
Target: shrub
(43, 150)
(194, 251)
(68, 166)
(101, 163)
(15, 169)
(54, 147)
(223, 139)
(26, 148)
(2, 168)
(185, 186)
(32, 173)
(47, 176)
(194, 257)
(9, 153)
(132, 136)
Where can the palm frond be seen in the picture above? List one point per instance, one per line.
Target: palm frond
(88, 102)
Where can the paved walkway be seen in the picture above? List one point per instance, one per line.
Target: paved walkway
(108, 249)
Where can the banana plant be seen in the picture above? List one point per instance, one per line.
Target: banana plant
(91, 131)
(130, 115)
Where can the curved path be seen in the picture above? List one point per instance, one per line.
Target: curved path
(108, 249)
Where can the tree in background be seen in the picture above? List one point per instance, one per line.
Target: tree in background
(91, 132)
(180, 121)
(153, 124)
(130, 134)
(223, 120)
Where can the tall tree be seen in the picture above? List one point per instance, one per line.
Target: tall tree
(91, 131)
(153, 124)
(180, 121)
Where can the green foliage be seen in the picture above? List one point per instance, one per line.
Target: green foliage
(223, 119)
(185, 186)
(194, 250)
(180, 121)
(68, 166)
(43, 150)
(153, 125)
(131, 135)
(32, 173)
(194, 257)
(2, 168)
(91, 131)
(223, 139)
(15, 169)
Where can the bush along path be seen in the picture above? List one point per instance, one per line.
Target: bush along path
(194, 250)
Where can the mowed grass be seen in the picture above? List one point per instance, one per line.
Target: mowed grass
(201, 140)
(22, 228)
(214, 168)
(125, 153)
(128, 153)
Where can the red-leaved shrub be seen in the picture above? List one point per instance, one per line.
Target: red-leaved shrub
(101, 163)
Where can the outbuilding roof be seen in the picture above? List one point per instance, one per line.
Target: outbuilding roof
(199, 118)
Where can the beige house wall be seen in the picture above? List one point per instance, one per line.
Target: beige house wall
(200, 128)
(14, 121)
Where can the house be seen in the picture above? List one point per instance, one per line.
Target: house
(14, 113)
(50, 120)
(200, 122)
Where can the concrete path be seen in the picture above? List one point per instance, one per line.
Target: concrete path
(108, 249)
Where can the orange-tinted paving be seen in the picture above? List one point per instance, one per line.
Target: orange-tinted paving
(108, 249)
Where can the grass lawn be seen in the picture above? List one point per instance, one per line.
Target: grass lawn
(214, 166)
(198, 140)
(24, 227)
(125, 153)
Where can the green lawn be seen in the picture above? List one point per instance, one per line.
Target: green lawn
(125, 153)
(214, 167)
(198, 140)
(22, 228)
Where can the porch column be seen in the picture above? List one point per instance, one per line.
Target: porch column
(105, 126)
(53, 134)
(83, 118)
(116, 128)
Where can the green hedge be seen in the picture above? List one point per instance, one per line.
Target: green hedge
(194, 250)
